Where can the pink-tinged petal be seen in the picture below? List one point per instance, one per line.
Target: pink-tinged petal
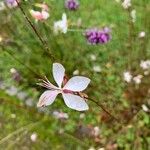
(58, 73)
(77, 84)
(47, 98)
(75, 102)
(36, 14)
(45, 14)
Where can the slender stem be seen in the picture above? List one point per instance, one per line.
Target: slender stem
(102, 107)
(29, 126)
(35, 31)
(15, 58)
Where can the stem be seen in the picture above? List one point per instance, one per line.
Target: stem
(102, 107)
(44, 43)
(22, 63)
(29, 126)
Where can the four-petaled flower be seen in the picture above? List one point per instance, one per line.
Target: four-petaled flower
(61, 25)
(70, 87)
(43, 15)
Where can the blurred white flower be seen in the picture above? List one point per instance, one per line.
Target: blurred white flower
(82, 115)
(33, 137)
(2, 6)
(12, 91)
(133, 15)
(127, 76)
(142, 34)
(145, 108)
(61, 25)
(96, 131)
(13, 116)
(126, 4)
(145, 64)
(137, 79)
(60, 115)
(1, 39)
(92, 57)
(76, 72)
(101, 148)
(117, 1)
(146, 72)
(91, 148)
(97, 69)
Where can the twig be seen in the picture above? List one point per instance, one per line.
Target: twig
(102, 107)
(35, 31)
(29, 126)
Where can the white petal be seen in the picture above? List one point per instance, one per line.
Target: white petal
(47, 98)
(77, 83)
(58, 73)
(75, 102)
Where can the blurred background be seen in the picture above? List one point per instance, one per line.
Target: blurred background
(119, 70)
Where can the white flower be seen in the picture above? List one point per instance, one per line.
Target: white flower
(74, 85)
(127, 76)
(61, 25)
(133, 15)
(142, 34)
(76, 72)
(82, 115)
(60, 115)
(96, 131)
(117, 1)
(137, 79)
(2, 6)
(97, 69)
(92, 57)
(145, 64)
(126, 4)
(33, 137)
(145, 108)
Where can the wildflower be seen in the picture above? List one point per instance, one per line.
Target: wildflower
(60, 115)
(61, 25)
(126, 4)
(82, 115)
(70, 88)
(76, 72)
(137, 79)
(43, 15)
(97, 69)
(12, 3)
(2, 6)
(117, 1)
(72, 4)
(145, 108)
(142, 34)
(33, 137)
(93, 57)
(15, 75)
(145, 64)
(98, 36)
(96, 131)
(127, 76)
(133, 15)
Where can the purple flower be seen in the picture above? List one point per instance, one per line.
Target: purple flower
(98, 36)
(11, 3)
(72, 4)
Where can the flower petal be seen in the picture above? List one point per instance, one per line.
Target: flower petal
(75, 102)
(58, 73)
(47, 98)
(77, 83)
